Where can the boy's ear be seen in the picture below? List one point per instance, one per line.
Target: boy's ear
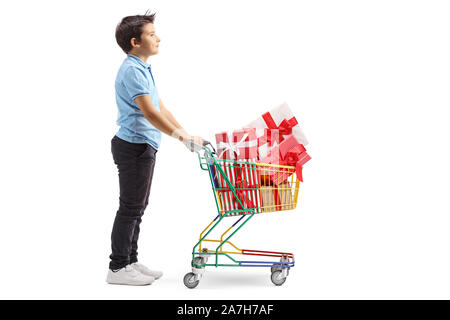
(134, 42)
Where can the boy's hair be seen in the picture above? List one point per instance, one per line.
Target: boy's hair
(131, 27)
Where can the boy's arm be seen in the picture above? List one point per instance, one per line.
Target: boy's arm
(156, 118)
(165, 121)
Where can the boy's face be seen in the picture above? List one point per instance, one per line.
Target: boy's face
(149, 44)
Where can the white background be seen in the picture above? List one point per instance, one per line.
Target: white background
(367, 80)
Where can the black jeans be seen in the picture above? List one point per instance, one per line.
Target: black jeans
(135, 163)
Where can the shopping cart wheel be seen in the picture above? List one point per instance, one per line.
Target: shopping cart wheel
(277, 278)
(275, 268)
(189, 280)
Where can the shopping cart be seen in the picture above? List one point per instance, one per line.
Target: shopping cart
(242, 190)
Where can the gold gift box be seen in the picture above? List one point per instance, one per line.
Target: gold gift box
(269, 195)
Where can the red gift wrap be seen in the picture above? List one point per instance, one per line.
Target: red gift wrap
(270, 139)
(289, 153)
(245, 180)
(242, 145)
(245, 144)
(239, 145)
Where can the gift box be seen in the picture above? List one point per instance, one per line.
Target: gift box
(276, 198)
(245, 144)
(240, 144)
(267, 141)
(247, 196)
(245, 180)
(282, 119)
(289, 152)
(224, 146)
(226, 197)
(285, 195)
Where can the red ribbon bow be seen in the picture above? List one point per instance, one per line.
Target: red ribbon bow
(292, 159)
(285, 126)
(270, 136)
(296, 157)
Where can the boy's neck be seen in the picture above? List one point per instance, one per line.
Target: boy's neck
(140, 56)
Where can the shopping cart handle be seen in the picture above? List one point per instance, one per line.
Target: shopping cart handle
(205, 143)
(197, 147)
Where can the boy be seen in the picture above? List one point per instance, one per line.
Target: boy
(142, 118)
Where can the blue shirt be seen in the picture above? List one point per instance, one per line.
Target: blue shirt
(135, 79)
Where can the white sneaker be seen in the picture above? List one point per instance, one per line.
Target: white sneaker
(128, 276)
(146, 271)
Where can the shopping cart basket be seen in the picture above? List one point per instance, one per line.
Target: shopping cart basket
(241, 190)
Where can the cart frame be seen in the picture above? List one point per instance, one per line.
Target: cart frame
(200, 255)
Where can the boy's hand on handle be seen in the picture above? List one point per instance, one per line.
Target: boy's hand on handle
(193, 143)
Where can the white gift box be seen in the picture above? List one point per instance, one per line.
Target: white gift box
(281, 118)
